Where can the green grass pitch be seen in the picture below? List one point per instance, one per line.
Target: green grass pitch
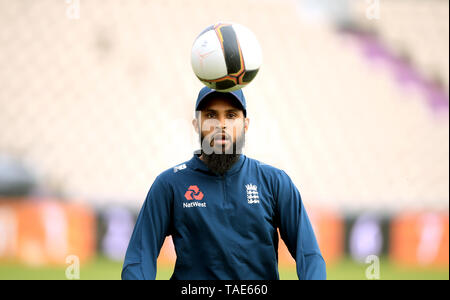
(102, 268)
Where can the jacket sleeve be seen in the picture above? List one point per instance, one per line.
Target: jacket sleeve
(148, 236)
(297, 232)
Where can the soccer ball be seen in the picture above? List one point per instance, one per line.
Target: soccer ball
(226, 56)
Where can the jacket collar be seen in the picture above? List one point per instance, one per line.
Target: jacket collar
(197, 164)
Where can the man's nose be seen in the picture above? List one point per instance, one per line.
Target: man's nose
(222, 122)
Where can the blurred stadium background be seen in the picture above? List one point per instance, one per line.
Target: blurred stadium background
(351, 101)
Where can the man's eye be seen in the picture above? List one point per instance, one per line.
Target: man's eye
(232, 115)
(210, 115)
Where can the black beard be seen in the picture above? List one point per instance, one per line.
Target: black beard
(220, 163)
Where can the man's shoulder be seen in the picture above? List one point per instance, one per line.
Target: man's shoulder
(264, 167)
(173, 171)
(273, 175)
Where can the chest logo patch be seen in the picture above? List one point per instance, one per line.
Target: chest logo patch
(193, 193)
(252, 193)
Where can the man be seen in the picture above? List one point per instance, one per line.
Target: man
(223, 208)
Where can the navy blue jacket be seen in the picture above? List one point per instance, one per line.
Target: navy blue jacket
(223, 227)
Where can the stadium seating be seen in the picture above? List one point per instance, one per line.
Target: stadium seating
(100, 105)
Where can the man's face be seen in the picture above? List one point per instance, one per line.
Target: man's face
(222, 126)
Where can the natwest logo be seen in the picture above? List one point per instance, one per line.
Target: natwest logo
(193, 192)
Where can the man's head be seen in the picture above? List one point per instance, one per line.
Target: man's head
(221, 123)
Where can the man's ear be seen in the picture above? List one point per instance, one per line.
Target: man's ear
(195, 124)
(246, 124)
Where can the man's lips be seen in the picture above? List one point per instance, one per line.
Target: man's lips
(221, 138)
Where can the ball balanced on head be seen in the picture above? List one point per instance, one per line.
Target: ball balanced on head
(226, 56)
